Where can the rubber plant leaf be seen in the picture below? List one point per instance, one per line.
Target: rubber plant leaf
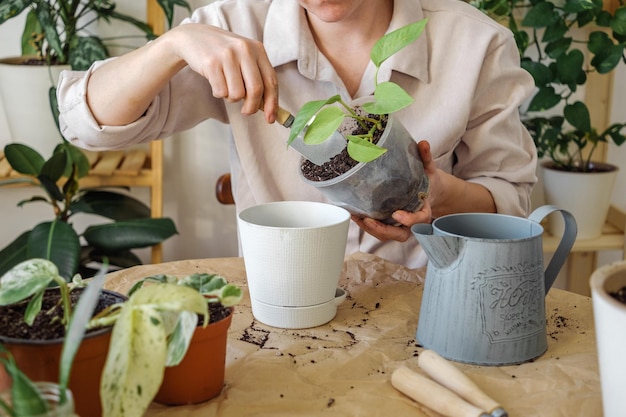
(24, 159)
(115, 206)
(58, 242)
(130, 234)
(134, 367)
(14, 253)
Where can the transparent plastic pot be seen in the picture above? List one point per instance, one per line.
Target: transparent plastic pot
(394, 181)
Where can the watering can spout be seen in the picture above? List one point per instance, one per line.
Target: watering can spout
(442, 251)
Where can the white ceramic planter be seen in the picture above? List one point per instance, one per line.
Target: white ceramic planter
(586, 195)
(24, 95)
(610, 321)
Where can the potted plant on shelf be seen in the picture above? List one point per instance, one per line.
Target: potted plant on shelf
(152, 329)
(560, 44)
(379, 172)
(58, 35)
(57, 239)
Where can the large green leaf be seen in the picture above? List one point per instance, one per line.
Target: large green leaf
(111, 205)
(363, 150)
(545, 98)
(326, 122)
(394, 41)
(570, 66)
(129, 234)
(390, 98)
(14, 253)
(138, 350)
(25, 397)
(24, 159)
(541, 73)
(12, 8)
(58, 242)
(618, 24)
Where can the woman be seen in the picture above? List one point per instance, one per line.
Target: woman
(233, 57)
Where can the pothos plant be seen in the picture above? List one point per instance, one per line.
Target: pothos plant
(322, 118)
(130, 226)
(554, 39)
(25, 398)
(151, 330)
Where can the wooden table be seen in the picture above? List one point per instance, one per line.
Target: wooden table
(343, 368)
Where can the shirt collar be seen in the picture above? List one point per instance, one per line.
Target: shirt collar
(287, 38)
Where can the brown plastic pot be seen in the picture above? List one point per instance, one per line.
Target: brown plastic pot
(200, 375)
(39, 360)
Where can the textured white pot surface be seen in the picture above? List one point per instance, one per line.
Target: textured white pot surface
(586, 195)
(610, 321)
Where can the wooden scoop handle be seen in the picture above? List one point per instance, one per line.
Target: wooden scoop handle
(448, 375)
(431, 394)
(283, 116)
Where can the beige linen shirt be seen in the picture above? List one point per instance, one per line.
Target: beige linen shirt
(463, 73)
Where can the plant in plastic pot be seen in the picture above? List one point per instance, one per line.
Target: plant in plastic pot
(379, 172)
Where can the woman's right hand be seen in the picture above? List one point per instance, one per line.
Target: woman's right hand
(237, 68)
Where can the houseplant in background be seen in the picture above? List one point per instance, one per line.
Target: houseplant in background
(58, 35)
(57, 240)
(379, 172)
(560, 43)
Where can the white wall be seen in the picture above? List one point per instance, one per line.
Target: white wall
(193, 162)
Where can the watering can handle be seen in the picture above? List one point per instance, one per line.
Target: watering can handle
(565, 245)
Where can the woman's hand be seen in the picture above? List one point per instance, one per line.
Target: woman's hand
(405, 219)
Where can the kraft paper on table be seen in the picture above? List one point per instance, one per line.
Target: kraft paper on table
(344, 367)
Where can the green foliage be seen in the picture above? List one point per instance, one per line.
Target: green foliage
(553, 39)
(129, 226)
(20, 283)
(320, 119)
(152, 329)
(57, 31)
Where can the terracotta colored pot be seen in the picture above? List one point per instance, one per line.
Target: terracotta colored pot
(39, 360)
(200, 375)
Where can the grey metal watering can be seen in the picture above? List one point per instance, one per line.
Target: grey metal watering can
(485, 285)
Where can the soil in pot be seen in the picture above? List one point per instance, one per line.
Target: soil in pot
(38, 356)
(199, 376)
(342, 162)
(619, 295)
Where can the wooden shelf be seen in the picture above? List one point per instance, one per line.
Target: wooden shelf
(137, 167)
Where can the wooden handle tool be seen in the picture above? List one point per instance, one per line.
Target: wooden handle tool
(431, 394)
(448, 375)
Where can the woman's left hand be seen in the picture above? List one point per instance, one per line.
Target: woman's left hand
(405, 219)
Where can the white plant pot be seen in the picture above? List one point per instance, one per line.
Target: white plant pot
(587, 195)
(24, 96)
(610, 322)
